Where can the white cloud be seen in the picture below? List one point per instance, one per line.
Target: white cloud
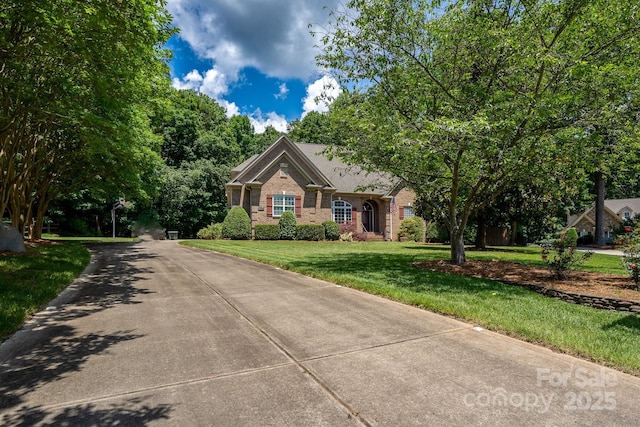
(215, 84)
(272, 36)
(231, 108)
(320, 94)
(282, 91)
(193, 80)
(260, 122)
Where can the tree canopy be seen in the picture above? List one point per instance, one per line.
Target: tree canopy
(73, 80)
(465, 99)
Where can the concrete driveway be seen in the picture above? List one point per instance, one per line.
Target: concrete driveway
(158, 334)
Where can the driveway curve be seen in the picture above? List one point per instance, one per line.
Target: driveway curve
(155, 333)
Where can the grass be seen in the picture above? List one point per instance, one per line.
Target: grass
(101, 239)
(30, 280)
(383, 268)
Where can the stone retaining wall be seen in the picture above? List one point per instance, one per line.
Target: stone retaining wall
(603, 303)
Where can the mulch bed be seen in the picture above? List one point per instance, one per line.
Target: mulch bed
(580, 282)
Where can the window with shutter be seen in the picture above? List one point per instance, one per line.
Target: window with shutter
(283, 203)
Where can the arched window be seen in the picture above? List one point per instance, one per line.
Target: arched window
(341, 211)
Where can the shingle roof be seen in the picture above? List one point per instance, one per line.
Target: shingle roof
(346, 178)
(617, 205)
(343, 177)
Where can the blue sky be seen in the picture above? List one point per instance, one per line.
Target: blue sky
(254, 57)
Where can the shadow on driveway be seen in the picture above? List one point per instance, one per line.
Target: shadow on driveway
(48, 349)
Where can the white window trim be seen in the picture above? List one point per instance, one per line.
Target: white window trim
(282, 198)
(345, 207)
(408, 212)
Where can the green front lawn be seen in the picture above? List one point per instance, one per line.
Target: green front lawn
(30, 280)
(384, 268)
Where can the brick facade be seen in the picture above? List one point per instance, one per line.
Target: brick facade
(284, 169)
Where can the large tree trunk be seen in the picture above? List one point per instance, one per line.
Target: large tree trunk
(599, 238)
(458, 256)
(513, 238)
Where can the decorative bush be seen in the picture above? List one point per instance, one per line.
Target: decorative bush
(412, 228)
(331, 230)
(312, 232)
(561, 255)
(347, 230)
(631, 255)
(237, 224)
(211, 232)
(360, 237)
(287, 224)
(572, 236)
(349, 233)
(267, 232)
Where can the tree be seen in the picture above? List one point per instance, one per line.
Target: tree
(193, 196)
(314, 128)
(463, 100)
(265, 139)
(612, 144)
(72, 79)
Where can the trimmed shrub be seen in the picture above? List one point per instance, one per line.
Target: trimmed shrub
(331, 230)
(571, 235)
(237, 224)
(312, 232)
(412, 228)
(267, 232)
(287, 224)
(211, 232)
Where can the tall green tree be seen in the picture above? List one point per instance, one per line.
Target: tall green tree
(465, 99)
(193, 196)
(610, 104)
(313, 128)
(72, 79)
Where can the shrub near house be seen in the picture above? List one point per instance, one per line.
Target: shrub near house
(237, 224)
(412, 229)
(211, 232)
(267, 232)
(314, 232)
(287, 225)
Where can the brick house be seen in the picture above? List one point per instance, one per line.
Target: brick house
(296, 177)
(616, 211)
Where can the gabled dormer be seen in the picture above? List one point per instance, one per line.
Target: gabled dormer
(283, 155)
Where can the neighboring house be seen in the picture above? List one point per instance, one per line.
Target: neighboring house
(616, 212)
(297, 177)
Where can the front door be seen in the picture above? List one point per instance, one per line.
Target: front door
(368, 217)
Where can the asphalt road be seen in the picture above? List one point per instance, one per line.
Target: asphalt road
(158, 334)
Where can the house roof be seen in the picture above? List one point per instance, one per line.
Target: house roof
(331, 173)
(344, 177)
(615, 207)
(620, 205)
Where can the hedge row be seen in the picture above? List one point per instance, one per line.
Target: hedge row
(302, 232)
(267, 232)
(236, 227)
(312, 232)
